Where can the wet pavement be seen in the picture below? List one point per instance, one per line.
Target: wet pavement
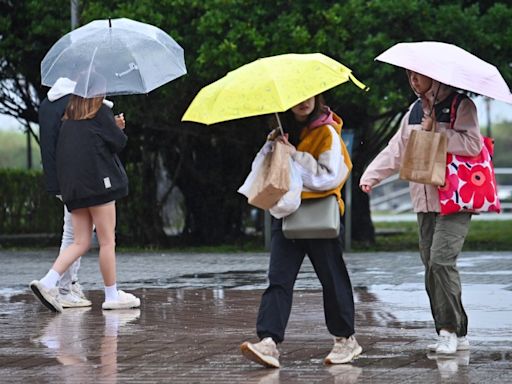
(197, 309)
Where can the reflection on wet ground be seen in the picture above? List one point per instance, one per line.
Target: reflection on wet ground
(190, 325)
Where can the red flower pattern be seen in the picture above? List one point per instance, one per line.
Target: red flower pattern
(449, 207)
(478, 187)
(450, 186)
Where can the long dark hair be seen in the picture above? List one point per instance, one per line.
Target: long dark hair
(294, 127)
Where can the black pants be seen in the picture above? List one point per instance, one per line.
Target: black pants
(286, 257)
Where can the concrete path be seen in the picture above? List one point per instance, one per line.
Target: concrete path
(197, 309)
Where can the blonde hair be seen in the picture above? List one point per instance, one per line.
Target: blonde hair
(80, 108)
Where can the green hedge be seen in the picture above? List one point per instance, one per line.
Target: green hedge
(26, 207)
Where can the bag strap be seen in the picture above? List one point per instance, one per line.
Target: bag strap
(488, 142)
(457, 98)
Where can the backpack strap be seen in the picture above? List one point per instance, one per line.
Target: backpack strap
(416, 113)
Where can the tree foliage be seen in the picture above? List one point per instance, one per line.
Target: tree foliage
(208, 163)
(27, 30)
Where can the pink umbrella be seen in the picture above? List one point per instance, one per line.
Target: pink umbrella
(450, 65)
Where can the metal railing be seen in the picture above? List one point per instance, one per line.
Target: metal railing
(392, 194)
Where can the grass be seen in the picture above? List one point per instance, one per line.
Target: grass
(13, 150)
(391, 237)
(403, 236)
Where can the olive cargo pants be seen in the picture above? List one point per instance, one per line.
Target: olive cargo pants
(441, 239)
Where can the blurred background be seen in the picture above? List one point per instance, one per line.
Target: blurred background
(184, 176)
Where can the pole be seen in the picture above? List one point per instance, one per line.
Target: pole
(74, 13)
(267, 229)
(29, 148)
(488, 110)
(348, 214)
(348, 136)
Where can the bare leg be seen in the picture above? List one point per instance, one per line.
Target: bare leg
(104, 218)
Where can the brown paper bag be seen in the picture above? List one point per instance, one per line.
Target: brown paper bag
(273, 181)
(424, 160)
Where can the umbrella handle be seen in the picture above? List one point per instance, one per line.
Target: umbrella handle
(279, 125)
(433, 129)
(435, 99)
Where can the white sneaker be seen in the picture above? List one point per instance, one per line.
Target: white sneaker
(344, 350)
(124, 301)
(462, 344)
(447, 343)
(76, 288)
(265, 352)
(49, 297)
(70, 300)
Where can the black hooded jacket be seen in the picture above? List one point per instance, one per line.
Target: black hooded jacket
(88, 168)
(50, 120)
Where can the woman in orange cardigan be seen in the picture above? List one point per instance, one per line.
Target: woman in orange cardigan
(313, 134)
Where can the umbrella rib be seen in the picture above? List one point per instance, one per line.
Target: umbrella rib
(175, 60)
(156, 40)
(272, 75)
(142, 80)
(53, 64)
(89, 71)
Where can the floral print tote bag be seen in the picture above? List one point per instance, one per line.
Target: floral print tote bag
(470, 184)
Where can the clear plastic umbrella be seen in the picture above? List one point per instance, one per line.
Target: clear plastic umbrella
(450, 65)
(114, 57)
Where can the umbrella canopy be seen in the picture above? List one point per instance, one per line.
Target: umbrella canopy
(119, 57)
(267, 85)
(450, 65)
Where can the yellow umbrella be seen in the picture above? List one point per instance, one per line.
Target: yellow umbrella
(268, 85)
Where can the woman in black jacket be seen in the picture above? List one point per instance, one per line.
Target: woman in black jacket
(91, 178)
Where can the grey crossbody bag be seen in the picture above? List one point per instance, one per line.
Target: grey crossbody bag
(315, 219)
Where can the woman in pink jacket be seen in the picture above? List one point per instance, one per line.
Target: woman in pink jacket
(440, 237)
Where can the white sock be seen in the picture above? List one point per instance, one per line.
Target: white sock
(111, 293)
(51, 279)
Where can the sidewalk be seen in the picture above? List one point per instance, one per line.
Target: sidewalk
(197, 309)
